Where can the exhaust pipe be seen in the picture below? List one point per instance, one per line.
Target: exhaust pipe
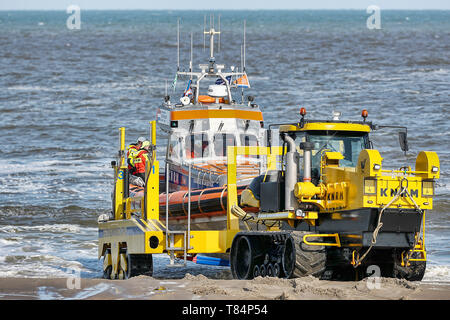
(290, 177)
(307, 148)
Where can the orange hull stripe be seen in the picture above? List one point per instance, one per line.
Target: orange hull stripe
(205, 114)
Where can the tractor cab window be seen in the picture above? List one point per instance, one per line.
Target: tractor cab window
(349, 144)
(222, 141)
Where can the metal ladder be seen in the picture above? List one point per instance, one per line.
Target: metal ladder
(170, 234)
(170, 247)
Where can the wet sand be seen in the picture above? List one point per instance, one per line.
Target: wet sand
(200, 287)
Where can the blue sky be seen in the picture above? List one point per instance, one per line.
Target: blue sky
(224, 4)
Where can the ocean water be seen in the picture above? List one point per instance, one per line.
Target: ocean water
(64, 94)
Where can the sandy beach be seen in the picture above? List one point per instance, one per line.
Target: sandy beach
(200, 287)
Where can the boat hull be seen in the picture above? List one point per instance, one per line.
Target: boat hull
(208, 207)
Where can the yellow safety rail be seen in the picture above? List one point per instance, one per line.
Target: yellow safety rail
(152, 181)
(232, 153)
(337, 242)
(150, 202)
(120, 172)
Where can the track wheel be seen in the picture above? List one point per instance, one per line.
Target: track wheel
(263, 270)
(288, 258)
(270, 272)
(256, 272)
(243, 257)
(276, 270)
(309, 259)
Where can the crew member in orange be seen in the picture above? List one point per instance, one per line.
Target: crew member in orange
(140, 159)
(132, 150)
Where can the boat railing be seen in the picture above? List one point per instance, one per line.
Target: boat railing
(219, 166)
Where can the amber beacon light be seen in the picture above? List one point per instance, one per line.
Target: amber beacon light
(302, 112)
(364, 114)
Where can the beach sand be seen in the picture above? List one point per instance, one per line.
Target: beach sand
(200, 287)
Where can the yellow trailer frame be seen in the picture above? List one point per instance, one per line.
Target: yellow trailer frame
(142, 231)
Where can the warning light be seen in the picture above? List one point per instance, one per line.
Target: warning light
(364, 114)
(302, 112)
(302, 120)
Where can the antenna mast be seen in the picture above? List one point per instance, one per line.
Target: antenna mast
(244, 48)
(192, 55)
(243, 70)
(204, 32)
(211, 33)
(178, 44)
(218, 50)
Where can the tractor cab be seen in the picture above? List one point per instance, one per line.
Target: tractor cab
(341, 141)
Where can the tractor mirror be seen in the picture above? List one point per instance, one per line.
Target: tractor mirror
(403, 141)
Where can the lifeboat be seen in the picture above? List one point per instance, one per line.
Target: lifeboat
(199, 125)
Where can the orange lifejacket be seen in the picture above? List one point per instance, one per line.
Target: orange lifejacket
(140, 160)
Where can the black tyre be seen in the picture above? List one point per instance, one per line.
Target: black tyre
(414, 272)
(309, 259)
(139, 264)
(107, 272)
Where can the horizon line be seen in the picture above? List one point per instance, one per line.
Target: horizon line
(241, 9)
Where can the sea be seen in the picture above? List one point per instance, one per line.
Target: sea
(65, 89)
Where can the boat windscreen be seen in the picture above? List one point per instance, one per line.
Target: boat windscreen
(249, 140)
(221, 142)
(197, 146)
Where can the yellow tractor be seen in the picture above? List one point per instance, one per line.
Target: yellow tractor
(323, 205)
(339, 210)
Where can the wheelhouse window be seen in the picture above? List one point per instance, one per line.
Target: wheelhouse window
(249, 140)
(174, 150)
(222, 141)
(197, 146)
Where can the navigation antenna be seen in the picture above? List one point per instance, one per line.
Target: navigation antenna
(204, 33)
(218, 49)
(244, 47)
(178, 44)
(242, 68)
(211, 33)
(192, 56)
(211, 27)
(243, 62)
